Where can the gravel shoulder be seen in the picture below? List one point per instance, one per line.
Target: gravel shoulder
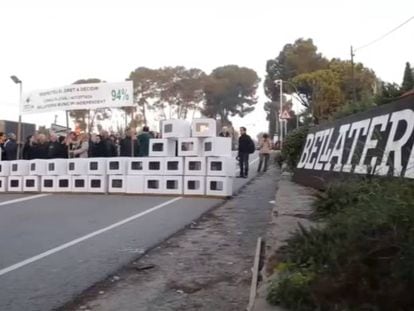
(206, 266)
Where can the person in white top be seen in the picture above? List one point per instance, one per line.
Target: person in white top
(265, 148)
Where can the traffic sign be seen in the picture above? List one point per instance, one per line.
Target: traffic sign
(285, 115)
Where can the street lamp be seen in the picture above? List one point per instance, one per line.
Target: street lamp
(280, 82)
(19, 125)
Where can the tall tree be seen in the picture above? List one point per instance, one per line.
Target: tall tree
(298, 58)
(230, 91)
(145, 88)
(408, 79)
(83, 117)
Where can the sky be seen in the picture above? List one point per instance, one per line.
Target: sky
(54, 43)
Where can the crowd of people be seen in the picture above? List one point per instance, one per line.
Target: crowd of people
(104, 145)
(73, 145)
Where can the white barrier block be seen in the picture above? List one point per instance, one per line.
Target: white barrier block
(4, 168)
(153, 184)
(174, 166)
(80, 183)
(38, 167)
(117, 184)
(3, 184)
(31, 183)
(194, 185)
(48, 183)
(137, 166)
(155, 166)
(78, 166)
(64, 183)
(189, 147)
(56, 167)
(135, 184)
(217, 147)
(219, 186)
(162, 147)
(98, 183)
(204, 127)
(176, 128)
(19, 168)
(97, 166)
(221, 166)
(116, 166)
(173, 185)
(195, 166)
(15, 184)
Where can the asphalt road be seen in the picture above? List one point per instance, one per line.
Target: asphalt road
(53, 247)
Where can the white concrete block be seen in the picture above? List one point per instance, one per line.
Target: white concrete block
(153, 184)
(155, 166)
(56, 167)
(221, 166)
(204, 127)
(174, 166)
(19, 167)
(64, 183)
(98, 183)
(194, 185)
(189, 147)
(78, 166)
(116, 166)
(3, 183)
(31, 183)
(135, 184)
(80, 183)
(48, 183)
(4, 168)
(117, 184)
(137, 166)
(175, 128)
(38, 167)
(162, 147)
(195, 166)
(219, 186)
(173, 185)
(15, 184)
(217, 147)
(97, 166)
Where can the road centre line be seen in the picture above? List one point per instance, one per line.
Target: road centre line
(84, 238)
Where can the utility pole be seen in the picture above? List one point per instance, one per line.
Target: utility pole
(353, 76)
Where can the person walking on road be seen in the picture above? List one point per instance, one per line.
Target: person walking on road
(246, 147)
(143, 142)
(265, 147)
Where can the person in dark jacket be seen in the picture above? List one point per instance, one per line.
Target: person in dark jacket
(10, 147)
(56, 150)
(143, 142)
(41, 149)
(27, 152)
(2, 151)
(128, 144)
(246, 145)
(98, 149)
(109, 144)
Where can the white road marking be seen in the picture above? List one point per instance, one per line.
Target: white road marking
(32, 197)
(84, 238)
(253, 161)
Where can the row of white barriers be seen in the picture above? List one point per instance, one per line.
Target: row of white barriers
(194, 166)
(129, 184)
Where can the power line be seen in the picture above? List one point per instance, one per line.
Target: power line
(385, 35)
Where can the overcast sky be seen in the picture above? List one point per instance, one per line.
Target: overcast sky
(54, 43)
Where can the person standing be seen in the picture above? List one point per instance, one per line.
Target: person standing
(2, 151)
(265, 147)
(83, 147)
(129, 144)
(56, 149)
(10, 147)
(143, 142)
(246, 147)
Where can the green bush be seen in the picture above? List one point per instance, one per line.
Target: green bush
(293, 145)
(362, 258)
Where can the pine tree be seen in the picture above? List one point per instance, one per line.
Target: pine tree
(408, 80)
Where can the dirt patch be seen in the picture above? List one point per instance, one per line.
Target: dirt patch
(207, 266)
